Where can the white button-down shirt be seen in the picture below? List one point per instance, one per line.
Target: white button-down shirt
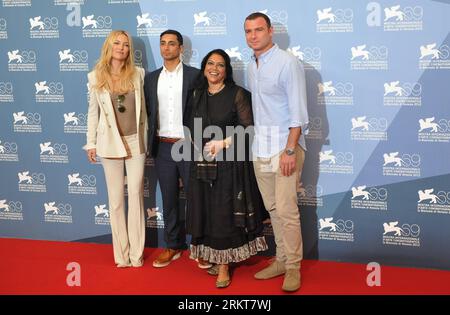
(170, 99)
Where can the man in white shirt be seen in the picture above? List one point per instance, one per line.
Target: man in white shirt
(166, 92)
(277, 82)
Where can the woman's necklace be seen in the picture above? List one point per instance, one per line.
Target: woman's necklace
(216, 90)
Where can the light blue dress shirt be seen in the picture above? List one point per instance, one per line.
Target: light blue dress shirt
(278, 92)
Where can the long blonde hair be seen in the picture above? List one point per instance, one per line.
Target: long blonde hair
(103, 66)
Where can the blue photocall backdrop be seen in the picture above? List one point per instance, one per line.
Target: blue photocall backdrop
(375, 185)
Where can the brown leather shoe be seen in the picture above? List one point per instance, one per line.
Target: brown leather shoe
(166, 257)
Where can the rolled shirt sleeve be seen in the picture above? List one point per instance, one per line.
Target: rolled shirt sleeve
(296, 94)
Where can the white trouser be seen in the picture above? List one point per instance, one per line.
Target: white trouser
(128, 241)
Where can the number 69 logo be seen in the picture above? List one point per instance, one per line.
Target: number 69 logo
(345, 225)
(411, 230)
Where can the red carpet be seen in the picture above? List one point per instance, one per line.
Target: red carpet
(39, 267)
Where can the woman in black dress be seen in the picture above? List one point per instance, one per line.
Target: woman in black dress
(224, 204)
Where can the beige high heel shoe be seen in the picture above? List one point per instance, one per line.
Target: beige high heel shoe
(213, 271)
(224, 283)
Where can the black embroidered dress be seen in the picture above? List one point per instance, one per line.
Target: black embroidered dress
(224, 213)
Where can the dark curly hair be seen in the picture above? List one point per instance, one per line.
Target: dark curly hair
(202, 83)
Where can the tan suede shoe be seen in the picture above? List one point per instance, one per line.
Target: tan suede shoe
(292, 280)
(273, 270)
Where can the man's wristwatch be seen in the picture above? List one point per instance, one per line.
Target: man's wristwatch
(289, 151)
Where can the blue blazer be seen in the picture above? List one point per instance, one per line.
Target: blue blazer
(151, 100)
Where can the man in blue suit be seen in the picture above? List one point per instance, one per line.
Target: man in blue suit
(166, 93)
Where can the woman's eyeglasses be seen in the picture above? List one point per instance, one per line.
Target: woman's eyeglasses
(120, 107)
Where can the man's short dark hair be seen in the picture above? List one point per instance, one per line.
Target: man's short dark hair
(256, 15)
(173, 32)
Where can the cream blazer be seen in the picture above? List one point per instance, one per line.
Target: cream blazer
(103, 134)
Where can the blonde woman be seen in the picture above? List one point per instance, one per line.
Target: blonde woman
(117, 132)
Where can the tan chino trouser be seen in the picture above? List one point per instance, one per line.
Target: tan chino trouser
(128, 240)
(280, 199)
